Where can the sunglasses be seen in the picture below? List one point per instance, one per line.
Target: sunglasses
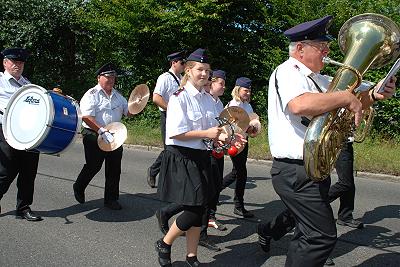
(321, 46)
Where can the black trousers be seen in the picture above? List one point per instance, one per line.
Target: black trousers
(17, 162)
(95, 157)
(155, 167)
(217, 166)
(344, 188)
(238, 174)
(315, 232)
(217, 169)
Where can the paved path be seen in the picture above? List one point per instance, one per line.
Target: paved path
(75, 234)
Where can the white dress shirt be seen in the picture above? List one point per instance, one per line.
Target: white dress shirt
(189, 110)
(166, 85)
(285, 131)
(8, 86)
(244, 105)
(105, 108)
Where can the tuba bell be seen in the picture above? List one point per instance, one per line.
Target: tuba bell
(367, 41)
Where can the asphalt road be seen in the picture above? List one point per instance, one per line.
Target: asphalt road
(74, 234)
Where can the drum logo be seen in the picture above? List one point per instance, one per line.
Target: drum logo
(31, 100)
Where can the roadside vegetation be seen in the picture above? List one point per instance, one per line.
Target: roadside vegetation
(69, 40)
(373, 155)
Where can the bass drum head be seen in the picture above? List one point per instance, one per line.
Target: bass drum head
(26, 117)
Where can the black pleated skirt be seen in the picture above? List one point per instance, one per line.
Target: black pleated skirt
(185, 176)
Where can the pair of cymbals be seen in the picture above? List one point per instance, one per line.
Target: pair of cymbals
(236, 116)
(119, 132)
(239, 119)
(138, 98)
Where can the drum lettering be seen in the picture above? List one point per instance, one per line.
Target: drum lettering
(31, 100)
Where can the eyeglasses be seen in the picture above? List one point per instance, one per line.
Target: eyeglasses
(320, 46)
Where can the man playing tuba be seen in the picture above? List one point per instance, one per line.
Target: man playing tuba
(292, 97)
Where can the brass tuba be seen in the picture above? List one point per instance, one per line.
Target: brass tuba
(367, 41)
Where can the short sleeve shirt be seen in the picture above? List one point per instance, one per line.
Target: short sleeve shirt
(8, 86)
(188, 110)
(285, 131)
(244, 105)
(104, 108)
(219, 106)
(166, 85)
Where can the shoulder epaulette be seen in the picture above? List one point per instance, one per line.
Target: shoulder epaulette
(93, 91)
(177, 92)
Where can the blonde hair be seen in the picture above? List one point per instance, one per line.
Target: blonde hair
(235, 93)
(189, 65)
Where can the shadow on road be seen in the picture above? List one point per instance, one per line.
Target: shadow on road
(136, 207)
(373, 236)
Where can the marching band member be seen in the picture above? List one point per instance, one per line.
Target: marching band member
(214, 107)
(167, 84)
(241, 97)
(217, 89)
(185, 169)
(16, 162)
(292, 95)
(101, 105)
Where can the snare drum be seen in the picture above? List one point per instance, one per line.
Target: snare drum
(39, 120)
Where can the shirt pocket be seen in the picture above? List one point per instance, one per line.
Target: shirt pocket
(194, 117)
(117, 109)
(103, 106)
(211, 119)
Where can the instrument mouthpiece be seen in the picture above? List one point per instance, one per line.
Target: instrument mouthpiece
(326, 60)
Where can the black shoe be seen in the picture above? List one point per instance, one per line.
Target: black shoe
(192, 261)
(162, 222)
(151, 180)
(79, 195)
(207, 243)
(263, 240)
(351, 223)
(243, 212)
(113, 205)
(214, 223)
(164, 253)
(329, 262)
(28, 215)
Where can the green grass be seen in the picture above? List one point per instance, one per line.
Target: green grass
(143, 134)
(378, 156)
(373, 155)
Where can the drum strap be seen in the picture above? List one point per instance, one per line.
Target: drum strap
(13, 80)
(176, 79)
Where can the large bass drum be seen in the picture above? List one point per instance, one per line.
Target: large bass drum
(39, 120)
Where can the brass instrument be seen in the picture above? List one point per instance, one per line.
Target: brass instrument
(364, 128)
(366, 124)
(368, 41)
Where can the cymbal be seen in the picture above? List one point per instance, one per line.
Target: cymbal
(119, 132)
(138, 98)
(237, 130)
(254, 116)
(236, 116)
